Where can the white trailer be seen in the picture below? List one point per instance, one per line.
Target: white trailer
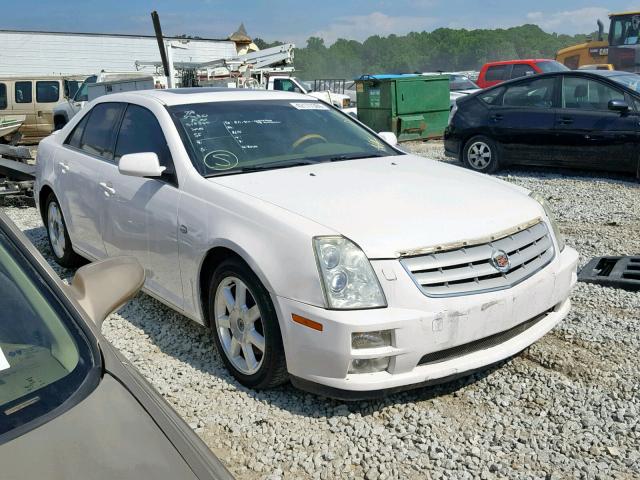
(60, 53)
(99, 89)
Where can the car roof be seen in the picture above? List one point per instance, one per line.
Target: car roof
(578, 73)
(524, 60)
(185, 96)
(606, 73)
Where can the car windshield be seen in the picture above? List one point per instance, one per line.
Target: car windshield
(82, 95)
(240, 136)
(551, 66)
(631, 81)
(460, 82)
(44, 357)
(71, 88)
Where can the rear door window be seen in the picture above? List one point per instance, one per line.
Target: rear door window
(140, 132)
(23, 92)
(522, 70)
(492, 97)
(3, 96)
(76, 135)
(100, 132)
(497, 73)
(47, 91)
(531, 94)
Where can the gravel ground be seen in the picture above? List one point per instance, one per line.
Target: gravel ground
(567, 407)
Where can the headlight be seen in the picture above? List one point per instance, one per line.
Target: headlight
(556, 231)
(347, 276)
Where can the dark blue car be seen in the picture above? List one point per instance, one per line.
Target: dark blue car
(575, 119)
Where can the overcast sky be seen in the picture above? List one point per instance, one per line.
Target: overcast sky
(290, 20)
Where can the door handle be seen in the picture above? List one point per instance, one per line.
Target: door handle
(497, 117)
(39, 113)
(108, 188)
(63, 167)
(565, 121)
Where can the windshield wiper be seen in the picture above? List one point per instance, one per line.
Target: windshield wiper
(340, 158)
(260, 168)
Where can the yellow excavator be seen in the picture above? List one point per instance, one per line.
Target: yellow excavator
(620, 51)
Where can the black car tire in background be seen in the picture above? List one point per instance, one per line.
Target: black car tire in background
(58, 236)
(480, 153)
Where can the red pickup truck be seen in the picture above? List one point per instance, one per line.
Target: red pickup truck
(493, 73)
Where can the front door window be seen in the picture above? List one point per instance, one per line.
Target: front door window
(285, 85)
(585, 94)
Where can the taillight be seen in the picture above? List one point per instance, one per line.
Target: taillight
(452, 112)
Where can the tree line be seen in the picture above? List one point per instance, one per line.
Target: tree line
(442, 49)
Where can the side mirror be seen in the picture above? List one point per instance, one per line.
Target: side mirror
(389, 137)
(103, 287)
(618, 106)
(144, 164)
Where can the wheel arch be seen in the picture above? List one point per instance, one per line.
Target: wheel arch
(43, 195)
(480, 133)
(216, 254)
(60, 118)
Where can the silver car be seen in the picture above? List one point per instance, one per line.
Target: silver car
(70, 406)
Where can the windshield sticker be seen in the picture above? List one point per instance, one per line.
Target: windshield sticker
(220, 160)
(3, 361)
(310, 106)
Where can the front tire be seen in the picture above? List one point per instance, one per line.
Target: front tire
(480, 154)
(245, 326)
(58, 236)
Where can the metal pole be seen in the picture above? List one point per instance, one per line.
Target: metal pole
(163, 53)
(170, 79)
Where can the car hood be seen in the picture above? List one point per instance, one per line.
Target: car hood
(108, 435)
(393, 205)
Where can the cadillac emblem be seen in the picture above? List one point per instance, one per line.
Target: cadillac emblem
(500, 260)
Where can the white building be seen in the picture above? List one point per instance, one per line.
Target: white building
(58, 53)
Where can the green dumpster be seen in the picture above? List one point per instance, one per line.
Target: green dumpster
(413, 107)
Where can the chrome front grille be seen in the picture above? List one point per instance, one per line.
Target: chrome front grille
(470, 270)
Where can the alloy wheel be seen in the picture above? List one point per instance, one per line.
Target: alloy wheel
(479, 155)
(239, 325)
(56, 229)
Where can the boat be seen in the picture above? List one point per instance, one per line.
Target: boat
(10, 124)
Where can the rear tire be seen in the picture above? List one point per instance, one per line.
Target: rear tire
(480, 154)
(58, 236)
(245, 326)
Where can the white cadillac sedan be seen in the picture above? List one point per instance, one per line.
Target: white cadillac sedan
(312, 248)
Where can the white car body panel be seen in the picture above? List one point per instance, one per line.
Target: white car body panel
(142, 215)
(391, 205)
(79, 180)
(388, 206)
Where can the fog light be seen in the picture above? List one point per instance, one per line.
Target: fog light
(371, 339)
(369, 365)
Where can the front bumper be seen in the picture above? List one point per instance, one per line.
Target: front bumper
(421, 327)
